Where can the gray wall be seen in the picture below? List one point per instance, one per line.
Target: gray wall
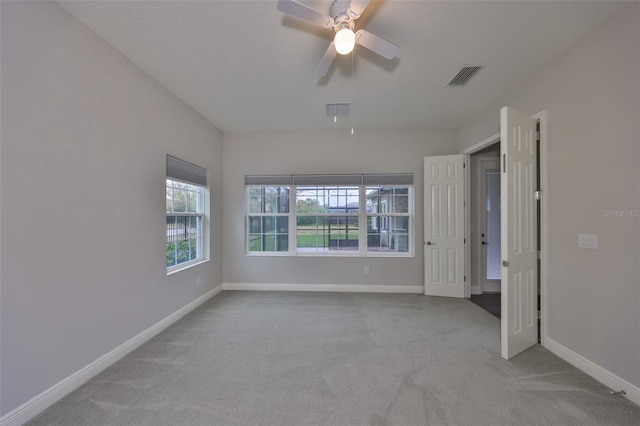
(324, 152)
(592, 96)
(84, 139)
(84, 135)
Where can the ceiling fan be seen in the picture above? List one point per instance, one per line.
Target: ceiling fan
(344, 14)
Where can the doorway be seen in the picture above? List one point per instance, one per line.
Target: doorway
(477, 289)
(447, 255)
(485, 239)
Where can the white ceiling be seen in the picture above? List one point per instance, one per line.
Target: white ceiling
(247, 67)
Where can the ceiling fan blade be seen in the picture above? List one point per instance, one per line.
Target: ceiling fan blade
(357, 7)
(299, 10)
(326, 61)
(376, 44)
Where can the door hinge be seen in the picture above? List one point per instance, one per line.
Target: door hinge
(538, 195)
(464, 241)
(465, 278)
(464, 165)
(504, 163)
(539, 255)
(538, 135)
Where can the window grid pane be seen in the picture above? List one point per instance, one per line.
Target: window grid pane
(328, 200)
(183, 197)
(268, 199)
(388, 219)
(327, 233)
(184, 232)
(392, 237)
(268, 233)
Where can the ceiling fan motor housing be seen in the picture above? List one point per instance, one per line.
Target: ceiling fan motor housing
(341, 17)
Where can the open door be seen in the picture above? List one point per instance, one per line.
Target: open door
(519, 234)
(444, 226)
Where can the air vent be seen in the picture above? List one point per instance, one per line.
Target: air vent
(338, 109)
(464, 75)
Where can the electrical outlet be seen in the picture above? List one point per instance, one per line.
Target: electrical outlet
(366, 270)
(199, 281)
(588, 241)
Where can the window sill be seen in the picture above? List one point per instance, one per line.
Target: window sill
(334, 255)
(186, 265)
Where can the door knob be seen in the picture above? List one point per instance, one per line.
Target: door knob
(429, 243)
(484, 244)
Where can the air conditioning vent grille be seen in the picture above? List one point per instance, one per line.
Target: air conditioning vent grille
(338, 109)
(464, 75)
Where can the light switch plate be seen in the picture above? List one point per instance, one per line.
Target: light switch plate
(588, 241)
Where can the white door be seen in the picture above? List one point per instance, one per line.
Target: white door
(444, 226)
(519, 235)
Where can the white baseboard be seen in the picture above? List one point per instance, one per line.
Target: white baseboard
(39, 403)
(604, 376)
(491, 287)
(348, 288)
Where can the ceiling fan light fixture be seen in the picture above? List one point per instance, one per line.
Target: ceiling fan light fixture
(344, 41)
(342, 19)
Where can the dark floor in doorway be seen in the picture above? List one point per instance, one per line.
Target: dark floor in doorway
(490, 302)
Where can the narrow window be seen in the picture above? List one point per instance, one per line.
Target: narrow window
(186, 186)
(268, 219)
(388, 219)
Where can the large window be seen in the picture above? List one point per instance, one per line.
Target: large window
(185, 210)
(358, 215)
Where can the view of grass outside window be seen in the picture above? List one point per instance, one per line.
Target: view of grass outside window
(268, 219)
(327, 218)
(184, 203)
(331, 219)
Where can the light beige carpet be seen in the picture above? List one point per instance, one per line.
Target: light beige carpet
(283, 358)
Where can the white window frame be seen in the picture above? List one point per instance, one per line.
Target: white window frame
(249, 215)
(328, 215)
(362, 215)
(382, 217)
(201, 213)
